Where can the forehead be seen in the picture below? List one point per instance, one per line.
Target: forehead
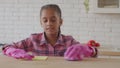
(49, 12)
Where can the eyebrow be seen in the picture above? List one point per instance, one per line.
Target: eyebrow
(51, 17)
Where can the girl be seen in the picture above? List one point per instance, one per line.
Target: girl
(51, 42)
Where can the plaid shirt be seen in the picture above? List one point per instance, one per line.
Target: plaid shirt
(38, 45)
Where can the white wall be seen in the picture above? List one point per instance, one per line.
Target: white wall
(20, 18)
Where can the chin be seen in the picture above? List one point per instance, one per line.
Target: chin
(52, 33)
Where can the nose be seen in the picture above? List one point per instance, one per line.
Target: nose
(49, 22)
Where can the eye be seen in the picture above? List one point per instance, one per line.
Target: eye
(53, 20)
(44, 20)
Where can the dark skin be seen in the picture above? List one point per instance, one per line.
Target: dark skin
(51, 22)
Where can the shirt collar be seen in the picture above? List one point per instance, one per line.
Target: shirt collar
(43, 39)
(60, 40)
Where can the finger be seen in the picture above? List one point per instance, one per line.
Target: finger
(28, 57)
(73, 54)
(68, 50)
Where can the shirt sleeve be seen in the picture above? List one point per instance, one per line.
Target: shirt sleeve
(25, 44)
(74, 42)
(70, 41)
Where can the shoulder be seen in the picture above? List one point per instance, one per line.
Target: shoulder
(36, 36)
(70, 38)
(67, 37)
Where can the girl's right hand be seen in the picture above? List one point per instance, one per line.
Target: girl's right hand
(18, 54)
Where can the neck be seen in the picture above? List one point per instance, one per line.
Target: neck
(52, 38)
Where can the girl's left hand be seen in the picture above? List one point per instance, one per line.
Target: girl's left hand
(78, 52)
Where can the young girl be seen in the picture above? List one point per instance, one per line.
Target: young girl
(51, 42)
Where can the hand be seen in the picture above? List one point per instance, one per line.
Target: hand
(18, 54)
(78, 52)
(73, 53)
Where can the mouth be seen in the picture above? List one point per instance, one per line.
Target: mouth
(50, 29)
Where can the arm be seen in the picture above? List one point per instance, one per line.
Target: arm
(24, 45)
(18, 50)
(77, 51)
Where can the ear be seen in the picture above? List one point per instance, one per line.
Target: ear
(61, 21)
(41, 23)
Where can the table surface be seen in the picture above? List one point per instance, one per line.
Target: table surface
(59, 62)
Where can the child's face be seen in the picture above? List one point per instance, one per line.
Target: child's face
(50, 21)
